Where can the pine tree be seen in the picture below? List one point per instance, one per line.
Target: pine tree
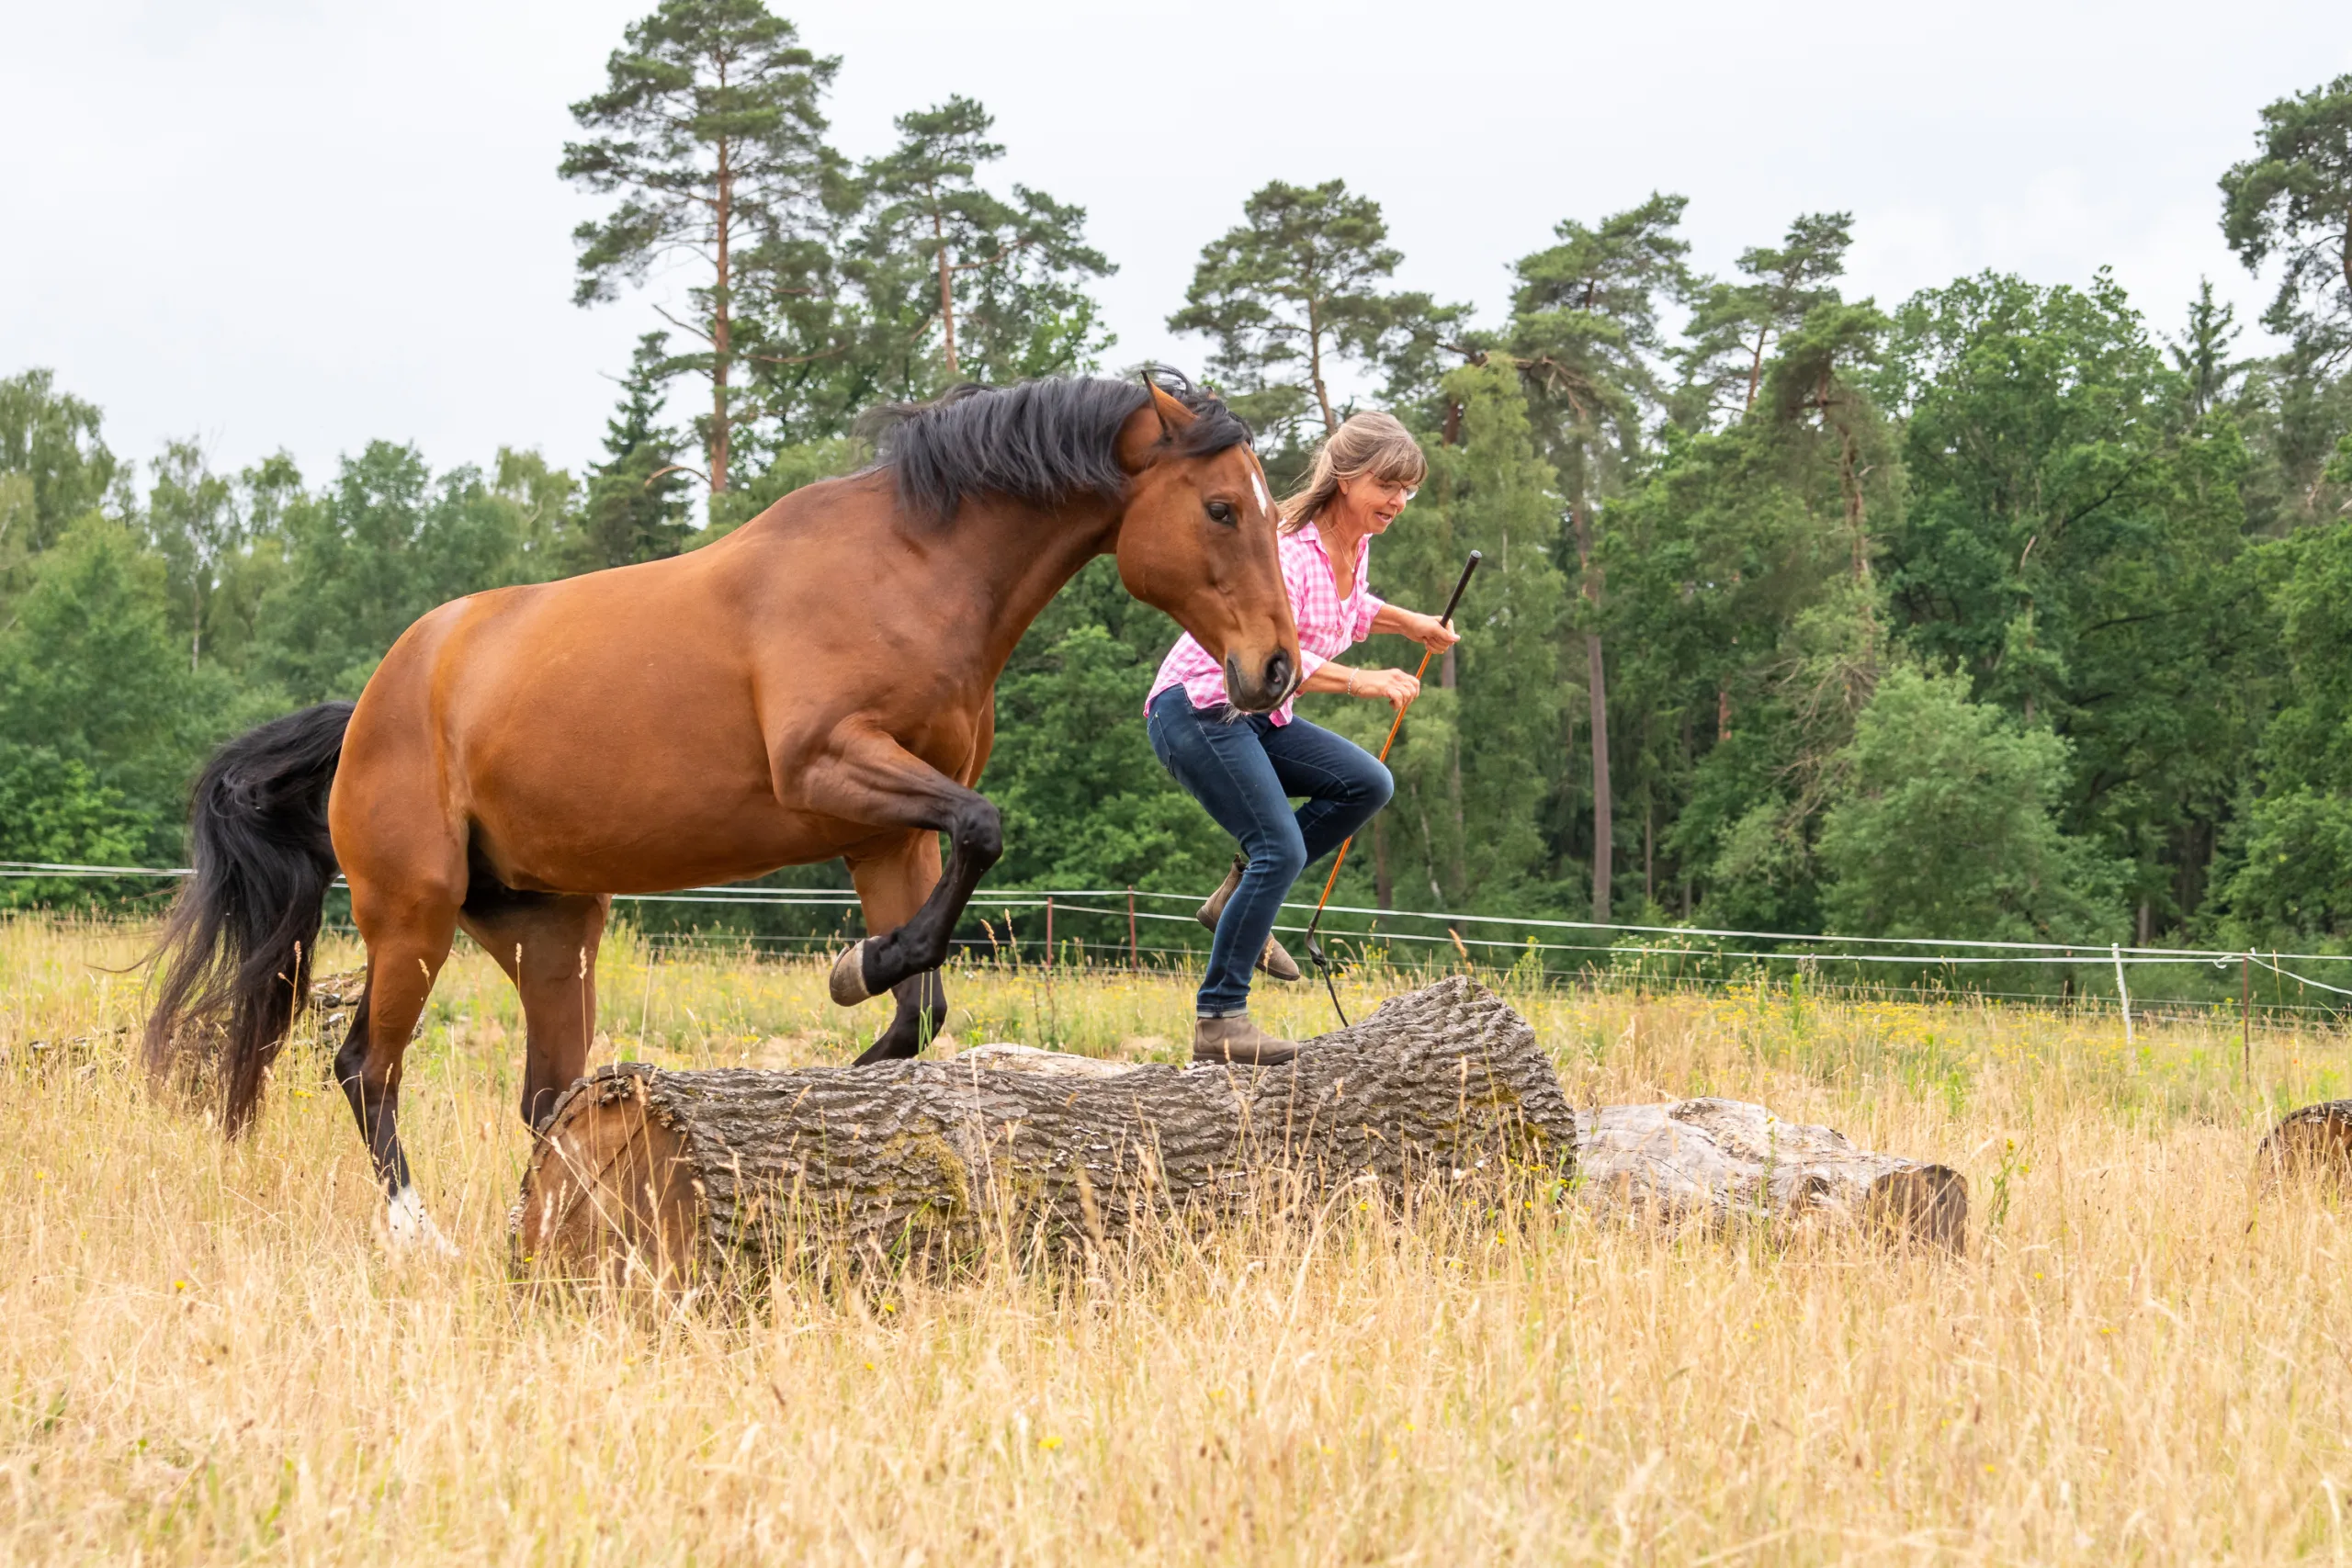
(635, 507)
(2201, 353)
(710, 135)
(1478, 747)
(2294, 202)
(1585, 327)
(1734, 325)
(1292, 291)
(1001, 282)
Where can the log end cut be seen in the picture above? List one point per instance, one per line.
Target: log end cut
(610, 1192)
(1920, 1203)
(2311, 1147)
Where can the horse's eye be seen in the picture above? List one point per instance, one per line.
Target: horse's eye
(1221, 512)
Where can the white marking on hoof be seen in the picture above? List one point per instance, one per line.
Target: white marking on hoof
(847, 982)
(411, 1228)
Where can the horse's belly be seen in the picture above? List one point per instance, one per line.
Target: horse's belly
(600, 741)
(582, 772)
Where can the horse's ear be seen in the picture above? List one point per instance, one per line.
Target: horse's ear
(1173, 415)
(1150, 425)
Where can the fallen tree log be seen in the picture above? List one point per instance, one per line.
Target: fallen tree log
(682, 1169)
(926, 1158)
(2313, 1145)
(1712, 1161)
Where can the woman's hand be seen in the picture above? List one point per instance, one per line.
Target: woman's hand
(1398, 687)
(1431, 633)
(1427, 630)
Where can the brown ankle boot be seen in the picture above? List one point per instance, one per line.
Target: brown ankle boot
(1272, 960)
(1236, 1042)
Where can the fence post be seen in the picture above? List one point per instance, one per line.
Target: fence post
(2116, 950)
(2245, 1017)
(1049, 932)
(1135, 959)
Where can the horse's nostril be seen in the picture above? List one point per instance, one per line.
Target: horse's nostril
(1278, 673)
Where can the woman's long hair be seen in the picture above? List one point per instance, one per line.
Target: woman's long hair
(1373, 444)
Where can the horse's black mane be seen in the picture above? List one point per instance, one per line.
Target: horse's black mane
(1042, 442)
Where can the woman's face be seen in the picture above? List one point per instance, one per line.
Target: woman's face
(1376, 500)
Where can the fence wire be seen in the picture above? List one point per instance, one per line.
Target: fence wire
(1371, 933)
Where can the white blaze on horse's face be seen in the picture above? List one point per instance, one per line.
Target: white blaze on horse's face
(1258, 486)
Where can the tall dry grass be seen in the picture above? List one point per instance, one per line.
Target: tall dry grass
(206, 1355)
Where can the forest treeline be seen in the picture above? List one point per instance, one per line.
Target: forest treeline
(1999, 611)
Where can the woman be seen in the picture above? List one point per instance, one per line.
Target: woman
(1245, 767)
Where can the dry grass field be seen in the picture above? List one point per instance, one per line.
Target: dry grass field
(206, 1354)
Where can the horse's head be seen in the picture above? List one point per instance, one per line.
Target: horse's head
(1197, 540)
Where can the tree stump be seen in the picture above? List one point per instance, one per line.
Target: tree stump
(1712, 1161)
(2311, 1146)
(682, 1170)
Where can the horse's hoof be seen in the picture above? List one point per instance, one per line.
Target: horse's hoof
(847, 982)
(410, 1229)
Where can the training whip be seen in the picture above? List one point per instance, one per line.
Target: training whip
(1314, 949)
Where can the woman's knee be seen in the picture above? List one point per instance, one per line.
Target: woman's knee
(1377, 785)
(1281, 854)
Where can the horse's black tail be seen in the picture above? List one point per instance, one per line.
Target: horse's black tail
(238, 944)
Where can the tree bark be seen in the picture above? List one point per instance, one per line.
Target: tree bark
(1315, 366)
(679, 1172)
(1596, 685)
(1603, 826)
(720, 334)
(684, 1170)
(947, 285)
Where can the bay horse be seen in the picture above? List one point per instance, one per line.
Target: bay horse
(818, 684)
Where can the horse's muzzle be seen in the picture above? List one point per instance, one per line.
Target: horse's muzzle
(1264, 690)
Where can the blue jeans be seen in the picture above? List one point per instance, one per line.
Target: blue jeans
(1244, 770)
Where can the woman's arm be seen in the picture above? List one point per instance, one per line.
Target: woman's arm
(1395, 686)
(1427, 630)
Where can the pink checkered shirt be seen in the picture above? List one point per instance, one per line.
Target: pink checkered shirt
(1327, 625)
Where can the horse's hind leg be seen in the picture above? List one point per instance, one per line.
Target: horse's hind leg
(546, 943)
(408, 934)
(892, 887)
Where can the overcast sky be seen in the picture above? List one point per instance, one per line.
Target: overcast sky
(294, 225)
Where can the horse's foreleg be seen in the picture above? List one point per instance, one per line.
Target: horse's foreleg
(404, 954)
(921, 1012)
(872, 779)
(892, 887)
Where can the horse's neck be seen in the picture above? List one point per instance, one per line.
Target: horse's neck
(1023, 556)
